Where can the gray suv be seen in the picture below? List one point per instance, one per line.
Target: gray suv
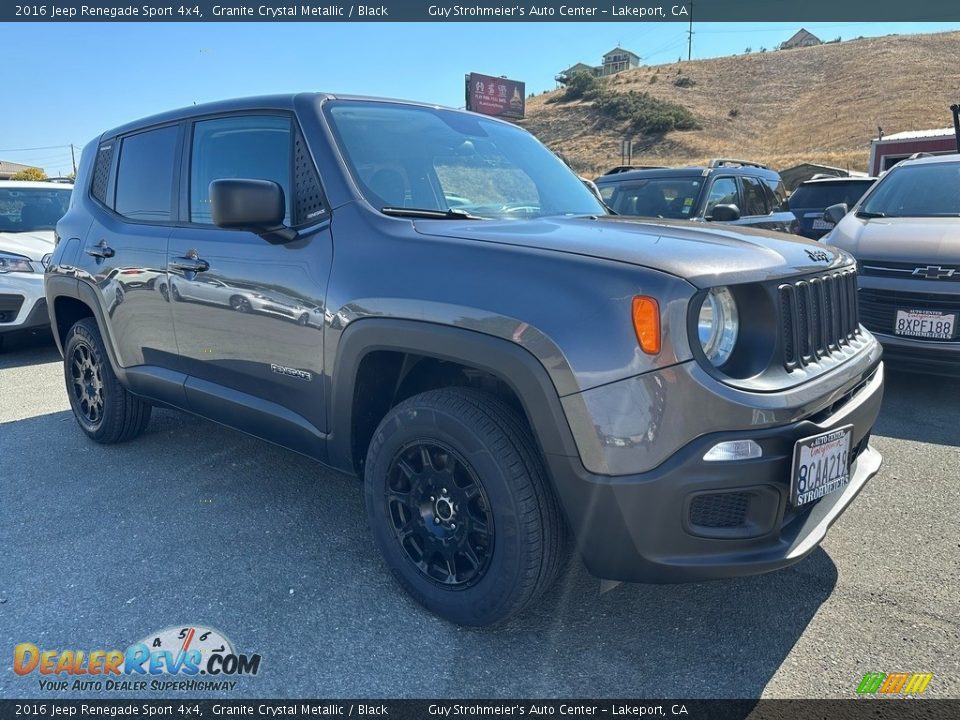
(509, 372)
(905, 234)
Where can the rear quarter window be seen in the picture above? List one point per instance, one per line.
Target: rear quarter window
(145, 175)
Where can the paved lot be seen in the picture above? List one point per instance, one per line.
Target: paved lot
(194, 523)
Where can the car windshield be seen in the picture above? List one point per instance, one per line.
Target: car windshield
(447, 164)
(927, 190)
(674, 198)
(821, 195)
(28, 209)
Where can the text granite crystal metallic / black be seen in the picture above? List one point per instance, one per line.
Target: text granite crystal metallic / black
(431, 300)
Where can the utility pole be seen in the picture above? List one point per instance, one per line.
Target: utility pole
(73, 159)
(690, 34)
(955, 109)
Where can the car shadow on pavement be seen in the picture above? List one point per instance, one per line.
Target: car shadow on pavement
(194, 523)
(920, 407)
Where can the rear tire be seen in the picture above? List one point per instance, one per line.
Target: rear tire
(104, 409)
(460, 507)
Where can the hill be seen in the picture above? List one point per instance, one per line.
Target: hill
(819, 104)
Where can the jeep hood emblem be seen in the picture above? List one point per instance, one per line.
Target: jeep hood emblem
(818, 255)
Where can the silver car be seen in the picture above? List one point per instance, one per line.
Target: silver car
(905, 234)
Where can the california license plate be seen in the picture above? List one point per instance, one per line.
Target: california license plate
(821, 465)
(931, 324)
(821, 224)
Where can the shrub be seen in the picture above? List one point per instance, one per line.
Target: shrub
(653, 79)
(684, 82)
(733, 112)
(29, 174)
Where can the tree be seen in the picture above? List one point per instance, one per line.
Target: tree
(32, 173)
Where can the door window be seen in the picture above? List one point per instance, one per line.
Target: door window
(145, 175)
(722, 192)
(754, 198)
(251, 147)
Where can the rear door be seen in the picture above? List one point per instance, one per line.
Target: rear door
(758, 209)
(249, 314)
(125, 249)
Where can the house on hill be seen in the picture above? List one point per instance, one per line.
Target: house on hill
(615, 61)
(618, 60)
(802, 38)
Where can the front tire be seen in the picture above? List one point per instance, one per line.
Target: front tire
(460, 507)
(104, 409)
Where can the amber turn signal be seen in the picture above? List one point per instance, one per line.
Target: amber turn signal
(646, 323)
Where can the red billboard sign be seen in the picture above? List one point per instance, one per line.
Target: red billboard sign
(495, 96)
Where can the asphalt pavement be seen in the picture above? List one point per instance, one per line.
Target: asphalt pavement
(197, 525)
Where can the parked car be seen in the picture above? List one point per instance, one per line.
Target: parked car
(671, 394)
(812, 197)
(28, 213)
(735, 192)
(905, 234)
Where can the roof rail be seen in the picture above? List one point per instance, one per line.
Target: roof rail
(920, 155)
(721, 162)
(628, 168)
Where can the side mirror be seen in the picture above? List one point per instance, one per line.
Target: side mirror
(254, 205)
(724, 213)
(835, 213)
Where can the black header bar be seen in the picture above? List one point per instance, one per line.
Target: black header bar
(734, 11)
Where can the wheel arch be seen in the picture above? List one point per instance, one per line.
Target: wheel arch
(519, 370)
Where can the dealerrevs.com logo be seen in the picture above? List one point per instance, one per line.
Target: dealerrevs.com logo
(199, 657)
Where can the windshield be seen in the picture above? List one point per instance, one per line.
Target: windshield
(23, 210)
(819, 196)
(422, 158)
(674, 198)
(917, 191)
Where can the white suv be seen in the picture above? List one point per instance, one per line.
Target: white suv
(29, 211)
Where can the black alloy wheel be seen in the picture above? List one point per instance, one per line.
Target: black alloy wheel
(440, 513)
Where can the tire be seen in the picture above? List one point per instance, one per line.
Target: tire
(104, 409)
(303, 320)
(511, 541)
(240, 303)
(175, 292)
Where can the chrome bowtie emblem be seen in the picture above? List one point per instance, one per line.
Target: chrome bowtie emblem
(818, 255)
(934, 272)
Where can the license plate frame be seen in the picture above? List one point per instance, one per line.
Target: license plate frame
(936, 317)
(827, 454)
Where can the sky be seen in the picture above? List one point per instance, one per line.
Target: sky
(67, 83)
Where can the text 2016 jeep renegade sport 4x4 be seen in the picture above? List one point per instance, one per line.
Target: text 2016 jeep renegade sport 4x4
(430, 299)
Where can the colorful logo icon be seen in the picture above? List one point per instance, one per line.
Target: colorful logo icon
(898, 683)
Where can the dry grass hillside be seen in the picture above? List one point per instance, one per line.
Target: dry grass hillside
(821, 104)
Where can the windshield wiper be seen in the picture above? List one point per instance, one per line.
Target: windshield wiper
(867, 214)
(449, 214)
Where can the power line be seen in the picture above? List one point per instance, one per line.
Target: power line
(45, 147)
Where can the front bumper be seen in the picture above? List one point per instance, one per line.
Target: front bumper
(937, 357)
(23, 305)
(648, 527)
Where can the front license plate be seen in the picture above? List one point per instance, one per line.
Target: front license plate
(821, 465)
(821, 224)
(931, 324)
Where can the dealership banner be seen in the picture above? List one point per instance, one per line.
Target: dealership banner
(480, 11)
(452, 709)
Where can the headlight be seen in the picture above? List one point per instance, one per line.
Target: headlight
(14, 263)
(718, 325)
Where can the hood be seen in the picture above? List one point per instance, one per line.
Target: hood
(899, 239)
(33, 244)
(702, 254)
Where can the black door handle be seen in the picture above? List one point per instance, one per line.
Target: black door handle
(188, 264)
(100, 250)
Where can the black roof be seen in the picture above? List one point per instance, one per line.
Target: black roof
(285, 101)
(726, 167)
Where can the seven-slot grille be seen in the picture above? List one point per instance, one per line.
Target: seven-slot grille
(817, 316)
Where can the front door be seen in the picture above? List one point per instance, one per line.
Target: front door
(248, 314)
